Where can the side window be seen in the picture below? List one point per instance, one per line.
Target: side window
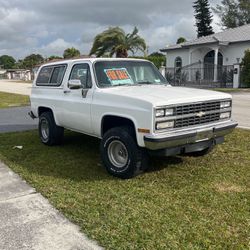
(44, 76)
(51, 76)
(81, 72)
(57, 76)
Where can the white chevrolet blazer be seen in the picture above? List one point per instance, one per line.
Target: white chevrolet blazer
(130, 106)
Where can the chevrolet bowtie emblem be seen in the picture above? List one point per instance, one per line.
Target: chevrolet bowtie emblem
(200, 114)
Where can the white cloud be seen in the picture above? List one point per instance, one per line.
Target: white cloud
(50, 26)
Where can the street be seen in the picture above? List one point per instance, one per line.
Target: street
(241, 109)
(17, 119)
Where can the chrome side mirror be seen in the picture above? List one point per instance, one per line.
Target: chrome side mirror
(74, 84)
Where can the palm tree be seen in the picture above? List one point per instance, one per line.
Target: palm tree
(71, 52)
(116, 41)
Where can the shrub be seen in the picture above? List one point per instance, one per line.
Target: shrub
(158, 61)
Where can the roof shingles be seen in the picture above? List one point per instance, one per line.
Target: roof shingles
(239, 34)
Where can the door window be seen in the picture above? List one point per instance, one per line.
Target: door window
(81, 72)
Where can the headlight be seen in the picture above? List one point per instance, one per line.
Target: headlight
(164, 125)
(164, 112)
(225, 104)
(169, 112)
(226, 115)
(160, 113)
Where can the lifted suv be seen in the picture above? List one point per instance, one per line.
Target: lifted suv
(130, 106)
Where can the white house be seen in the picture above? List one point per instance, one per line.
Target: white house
(19, 74)
(212, 58)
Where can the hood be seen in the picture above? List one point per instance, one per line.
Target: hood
(160, 95)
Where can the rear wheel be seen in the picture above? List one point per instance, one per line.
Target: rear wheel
(120, 154)
(50, 133)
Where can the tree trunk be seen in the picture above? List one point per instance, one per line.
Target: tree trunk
(122, 53)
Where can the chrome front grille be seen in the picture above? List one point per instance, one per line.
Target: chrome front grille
(195, 120)
(193, 114)
(197, 107)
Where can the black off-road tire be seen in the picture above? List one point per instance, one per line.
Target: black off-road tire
(54, 135)
(137, 158)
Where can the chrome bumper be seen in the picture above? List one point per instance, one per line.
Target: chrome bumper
(174, 139)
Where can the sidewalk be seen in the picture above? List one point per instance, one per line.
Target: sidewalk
(29, 222)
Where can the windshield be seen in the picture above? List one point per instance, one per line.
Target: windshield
(117, 73)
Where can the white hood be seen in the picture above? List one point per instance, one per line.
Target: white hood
(160, 95)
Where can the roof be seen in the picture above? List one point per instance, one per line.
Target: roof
(91, 59)
(239, 34)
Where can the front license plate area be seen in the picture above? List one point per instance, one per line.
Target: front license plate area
(204, 135)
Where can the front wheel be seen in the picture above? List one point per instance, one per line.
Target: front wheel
(50, 133)
(120, 154)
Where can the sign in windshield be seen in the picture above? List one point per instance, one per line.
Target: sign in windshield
(116, 73)
(118, 76)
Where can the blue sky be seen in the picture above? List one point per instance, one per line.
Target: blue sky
(49, 26)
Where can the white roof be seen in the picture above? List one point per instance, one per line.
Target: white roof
(91, 59)
(239, 34)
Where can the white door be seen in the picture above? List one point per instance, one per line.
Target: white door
(77, 102)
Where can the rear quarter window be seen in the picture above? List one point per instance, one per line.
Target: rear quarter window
(51, 75)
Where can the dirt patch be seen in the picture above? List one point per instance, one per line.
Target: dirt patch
(228, 188)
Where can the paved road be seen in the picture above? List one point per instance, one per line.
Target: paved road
(16, 119)
(28, 221)
(15, 87)
(241, 109)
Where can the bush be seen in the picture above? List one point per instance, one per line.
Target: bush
(246, 69)
(158, 61)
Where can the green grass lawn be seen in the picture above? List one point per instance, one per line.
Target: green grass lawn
(180, 203)
(8, 100)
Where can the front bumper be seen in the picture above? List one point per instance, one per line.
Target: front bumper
(190, 136)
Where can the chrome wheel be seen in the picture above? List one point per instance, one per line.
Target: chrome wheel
(45, 129)
(118, 154)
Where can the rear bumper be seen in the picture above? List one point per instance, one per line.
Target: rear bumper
(191, 136)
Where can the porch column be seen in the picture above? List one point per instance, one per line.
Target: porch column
(189, 70)
(216, 52)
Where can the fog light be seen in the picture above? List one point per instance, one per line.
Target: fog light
(164, 125)
(226, 115)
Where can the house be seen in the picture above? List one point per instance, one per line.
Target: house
(18, 74)
(214, 58)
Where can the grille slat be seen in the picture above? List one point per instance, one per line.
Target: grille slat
(191, 121)
(194, 109)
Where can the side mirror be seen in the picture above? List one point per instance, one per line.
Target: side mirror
(75, 84)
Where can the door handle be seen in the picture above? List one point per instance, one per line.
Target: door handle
(66, 91)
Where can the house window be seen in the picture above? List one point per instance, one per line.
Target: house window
(178, 62)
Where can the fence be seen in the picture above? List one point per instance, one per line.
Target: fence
(201, 75)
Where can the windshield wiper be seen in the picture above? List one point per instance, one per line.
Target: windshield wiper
(145, 82)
